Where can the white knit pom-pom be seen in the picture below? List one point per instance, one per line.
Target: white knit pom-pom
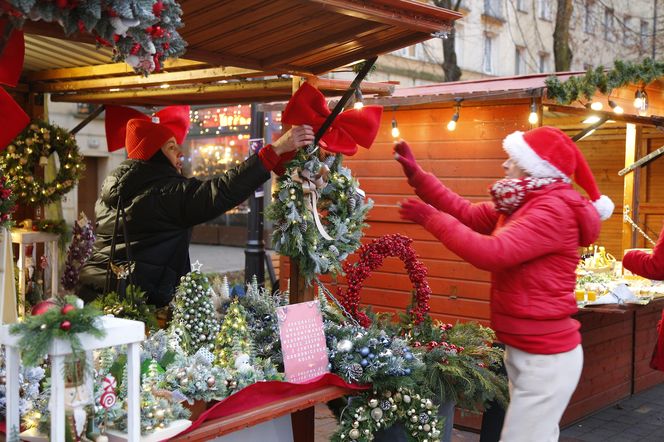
(604, 207)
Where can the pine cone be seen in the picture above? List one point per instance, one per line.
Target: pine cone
(355, 371)
(303, 227)
(352, 203)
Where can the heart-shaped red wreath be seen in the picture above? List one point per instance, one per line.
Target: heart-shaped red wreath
(372, 256)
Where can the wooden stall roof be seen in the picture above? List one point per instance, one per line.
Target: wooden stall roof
(230, 41)
(490, 90)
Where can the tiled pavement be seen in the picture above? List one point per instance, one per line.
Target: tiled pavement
(636, 419)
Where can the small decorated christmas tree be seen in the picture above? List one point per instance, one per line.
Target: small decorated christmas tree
(194, 319)
(234, 337)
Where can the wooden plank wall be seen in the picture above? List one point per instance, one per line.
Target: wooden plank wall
(468, 160)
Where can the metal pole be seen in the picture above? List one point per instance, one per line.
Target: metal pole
(254, 253)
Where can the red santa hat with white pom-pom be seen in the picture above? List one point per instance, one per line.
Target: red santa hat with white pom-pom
(547, 152)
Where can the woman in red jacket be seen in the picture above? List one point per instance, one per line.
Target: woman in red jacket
(528, 238)
(648, 265)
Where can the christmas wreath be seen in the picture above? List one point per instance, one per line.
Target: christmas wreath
(319, 212)
(141, 33)
(30, 151)
(371, 258)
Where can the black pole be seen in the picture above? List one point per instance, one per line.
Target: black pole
(254, 253)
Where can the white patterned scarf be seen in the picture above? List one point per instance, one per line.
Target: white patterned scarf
(508, 194)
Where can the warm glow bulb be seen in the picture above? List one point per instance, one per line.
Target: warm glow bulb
(358, 105)
(619, 110)
(533, 118)
(638, 102)
(451, 125)
(395, 132)
(596, 105)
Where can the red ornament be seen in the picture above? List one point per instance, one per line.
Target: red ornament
(134, 49)
(116, 37)
(65, 325)
(158, 8)
(157, 32)
(149, 29)
(81, 26)
(61, 3)
(166, 45)
(67, 308)
(42, 307)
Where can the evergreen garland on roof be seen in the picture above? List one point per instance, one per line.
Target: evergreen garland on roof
(603, 80)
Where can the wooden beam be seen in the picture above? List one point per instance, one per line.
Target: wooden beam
(103, 70)
(214, 428)
(234, 87)
(412, 15)
(182, 77)
(635, 119)
(630, 197)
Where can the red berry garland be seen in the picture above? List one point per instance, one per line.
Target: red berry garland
(372, 256)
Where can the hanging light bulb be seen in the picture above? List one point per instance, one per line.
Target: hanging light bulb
(451, 125)
(358, 99)
(533, 118)
(641, 101)
(395, 128)
(616, 108)
(596, 105)
(638, 99)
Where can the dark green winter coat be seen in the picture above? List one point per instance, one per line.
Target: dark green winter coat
(161, 206)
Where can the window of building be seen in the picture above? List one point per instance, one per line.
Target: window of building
(493, 8)
(544, 62)
(522, 5)
(588, 17)
(487, 62)
(643, 35)
(609, 19)
(544, 9)
(520, 60)
(628, 32)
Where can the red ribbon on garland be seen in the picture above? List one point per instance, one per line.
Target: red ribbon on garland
(12, 53)
(350, 128)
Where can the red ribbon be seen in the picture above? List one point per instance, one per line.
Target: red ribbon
(176, 118)
(11, 65)
(350, 128)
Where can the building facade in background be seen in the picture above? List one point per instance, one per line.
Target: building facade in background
(515, 37)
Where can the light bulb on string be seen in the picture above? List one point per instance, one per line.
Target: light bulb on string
(533, 118)
(596, 106)
(641, 101)
(358, 99)
(451, 125)
(616, 108)
(395, 128)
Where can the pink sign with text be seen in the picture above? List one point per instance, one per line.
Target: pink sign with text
(302, 341)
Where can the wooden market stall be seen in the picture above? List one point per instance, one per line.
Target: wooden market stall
(238, 52)
(617, 344)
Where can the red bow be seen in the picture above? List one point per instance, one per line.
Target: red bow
(350, 128)
(176, 118)
(11, 64)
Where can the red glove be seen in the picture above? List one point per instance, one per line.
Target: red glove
(417, 211)
(404, 155)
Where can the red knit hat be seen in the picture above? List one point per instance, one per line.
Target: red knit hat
(145, 138)
(547, 152)
(172, 120)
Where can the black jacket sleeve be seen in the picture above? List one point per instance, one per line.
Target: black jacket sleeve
(194, 201)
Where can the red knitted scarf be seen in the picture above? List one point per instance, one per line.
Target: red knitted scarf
(508, 194)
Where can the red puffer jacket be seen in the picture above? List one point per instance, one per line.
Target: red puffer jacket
(647, 265)
(532, 255)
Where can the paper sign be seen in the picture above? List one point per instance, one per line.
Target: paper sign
(302, 341)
